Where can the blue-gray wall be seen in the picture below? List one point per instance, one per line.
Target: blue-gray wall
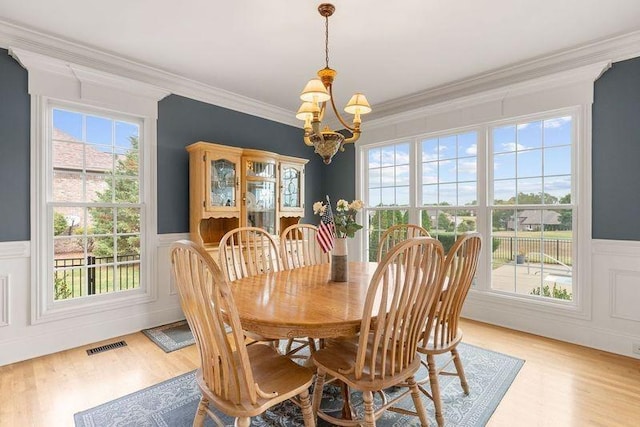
(340, 176)
(14, 151)
(183, 121)
(616, 153)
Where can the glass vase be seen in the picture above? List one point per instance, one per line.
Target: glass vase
(339, 261)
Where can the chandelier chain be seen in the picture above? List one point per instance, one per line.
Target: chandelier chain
(326, 41)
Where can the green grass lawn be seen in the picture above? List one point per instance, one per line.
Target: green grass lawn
(563, 234)
(71, 283)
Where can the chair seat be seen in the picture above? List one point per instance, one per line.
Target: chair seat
(339, 356)
(273, 372)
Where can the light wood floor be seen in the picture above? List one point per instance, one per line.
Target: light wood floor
(559, 385)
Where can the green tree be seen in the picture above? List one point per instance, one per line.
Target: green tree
(122, 190)
(533, 199)
(500, 219)
(60, 225)
(466, 225)
(444, 223)
(379, 222)
(426, 220)
(566, 216)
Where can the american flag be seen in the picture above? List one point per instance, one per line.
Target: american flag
(326, 229)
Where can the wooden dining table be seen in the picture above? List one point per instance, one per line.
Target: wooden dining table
(303, 302)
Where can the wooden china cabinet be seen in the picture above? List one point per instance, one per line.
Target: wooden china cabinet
(233, 187)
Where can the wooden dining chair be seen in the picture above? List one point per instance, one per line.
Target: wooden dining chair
(401, 294)
(238, 380)
(245, 252)
(248, 251)
(397, 233)
(299, 248)
(443, 333)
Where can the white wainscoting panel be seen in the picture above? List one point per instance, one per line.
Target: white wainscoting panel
(625, 294)
(4, 301)
(164, 258)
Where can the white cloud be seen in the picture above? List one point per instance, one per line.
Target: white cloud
(512, 146)
(467, 166)
(472, 150)
(556, 123)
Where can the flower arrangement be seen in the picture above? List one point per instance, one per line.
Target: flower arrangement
(344, 218)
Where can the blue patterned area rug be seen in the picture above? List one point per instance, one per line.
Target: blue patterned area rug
(173, 402)
(171, 337)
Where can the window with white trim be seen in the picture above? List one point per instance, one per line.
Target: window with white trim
(449, 185)
(97, 199)
(513, 181)
(531, 207)
(94, 202)
(388, 191)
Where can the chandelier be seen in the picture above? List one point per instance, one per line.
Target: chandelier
(315, 96)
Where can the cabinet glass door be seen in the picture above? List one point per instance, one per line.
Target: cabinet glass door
(291, 184)
(223, 183)
(261, 205)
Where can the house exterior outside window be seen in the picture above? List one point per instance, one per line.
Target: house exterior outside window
(95, 204)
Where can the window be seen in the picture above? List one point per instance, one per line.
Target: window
(531, 208)
(94, 204)
(388, 191)
(449, 185)
(93, 222)
(513, 181)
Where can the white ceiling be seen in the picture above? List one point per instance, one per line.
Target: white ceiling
(267, 50)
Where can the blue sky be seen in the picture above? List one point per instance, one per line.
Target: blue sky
(103, 133)
(531, 157)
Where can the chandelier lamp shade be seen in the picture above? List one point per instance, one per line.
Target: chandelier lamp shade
(317, 94)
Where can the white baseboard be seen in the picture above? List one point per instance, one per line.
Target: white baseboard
(564, 329)
(23, 348)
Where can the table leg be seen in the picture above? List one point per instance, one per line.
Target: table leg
(347, 411)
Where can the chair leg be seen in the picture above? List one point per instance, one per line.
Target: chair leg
(417, 402)
(317, 391)
(243, 422)
(435, 389)
(307, 413)
(369, 413)
(201, 412)
(289, 344)
(460, 370)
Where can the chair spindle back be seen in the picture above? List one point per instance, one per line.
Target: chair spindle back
(405, 286)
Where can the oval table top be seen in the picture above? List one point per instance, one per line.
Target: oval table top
(303, 302)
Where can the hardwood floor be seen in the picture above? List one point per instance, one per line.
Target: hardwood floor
(559, 385)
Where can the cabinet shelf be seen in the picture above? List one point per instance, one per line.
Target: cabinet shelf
(228, 187)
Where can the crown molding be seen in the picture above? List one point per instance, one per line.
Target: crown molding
(36, 62)
(611, 49)
(17, 37)
(587, 73)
